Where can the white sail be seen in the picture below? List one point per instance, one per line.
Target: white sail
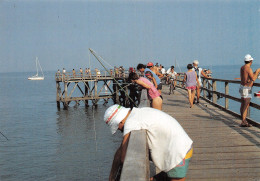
(37, 77)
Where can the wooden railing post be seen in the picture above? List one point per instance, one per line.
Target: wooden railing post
(66, 104)
(204, 86)
(214, 88)
(227, 93)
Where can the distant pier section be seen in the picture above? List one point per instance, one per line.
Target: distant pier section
(88, 87)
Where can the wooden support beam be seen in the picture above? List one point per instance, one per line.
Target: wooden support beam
(86, 93)
(58, 94)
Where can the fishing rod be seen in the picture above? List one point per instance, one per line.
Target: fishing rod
(93, 52)
(4, 135)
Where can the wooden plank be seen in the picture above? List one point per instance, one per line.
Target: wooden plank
(222, 149)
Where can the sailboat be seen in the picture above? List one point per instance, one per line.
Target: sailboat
(37, 77)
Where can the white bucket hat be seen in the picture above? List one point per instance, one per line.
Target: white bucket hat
(248, 58)
(114, 115)
(196, 62)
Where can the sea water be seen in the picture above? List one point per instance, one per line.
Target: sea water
(45, 143)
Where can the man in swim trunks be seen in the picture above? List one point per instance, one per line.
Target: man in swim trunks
(247, 79)
(169, 145)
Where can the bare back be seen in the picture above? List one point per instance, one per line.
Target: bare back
(246, 75)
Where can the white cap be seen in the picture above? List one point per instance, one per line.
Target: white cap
(114, 115)
(248, 58)
(196, 62)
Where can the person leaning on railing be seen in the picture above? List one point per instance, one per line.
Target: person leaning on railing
(170, 146)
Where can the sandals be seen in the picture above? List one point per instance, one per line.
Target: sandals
(245, 125)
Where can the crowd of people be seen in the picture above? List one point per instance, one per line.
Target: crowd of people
(169, 145)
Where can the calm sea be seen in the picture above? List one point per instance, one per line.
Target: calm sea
(45, 143)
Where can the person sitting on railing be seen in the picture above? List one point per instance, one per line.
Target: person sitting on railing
(199, 72)
(63, 73)
(58, 73)
(74, 73)
(81, 72)
(247, 79)
(169, 145)
(86, 72)
(111, 72)
(153, 93)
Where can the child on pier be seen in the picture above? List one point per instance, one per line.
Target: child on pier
(191, 79)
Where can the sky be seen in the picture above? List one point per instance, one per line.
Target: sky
(124, 32)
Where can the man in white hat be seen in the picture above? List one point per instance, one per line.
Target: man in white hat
(247, 79)
(199, 72)
(169, 145)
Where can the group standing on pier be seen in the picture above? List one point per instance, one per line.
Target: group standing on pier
(163, 130)
(166, 136)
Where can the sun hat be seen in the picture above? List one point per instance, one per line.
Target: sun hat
(150, 64)
(114, 115)
(196, 62)
(248, 58)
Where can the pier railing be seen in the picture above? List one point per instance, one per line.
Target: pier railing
(136, 164)
(211, 94)
(91, 75)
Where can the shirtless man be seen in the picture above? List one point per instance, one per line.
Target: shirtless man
(247, 79)
(156, 75)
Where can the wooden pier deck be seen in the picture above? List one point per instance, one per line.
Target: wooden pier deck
(222, 149)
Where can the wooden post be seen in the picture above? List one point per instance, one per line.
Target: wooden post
(214, 87)
(204, 86)
(66, 104)
(227, 93)
(96, 93)
(248, 112)
(117, 95)
(126, 97)
(58, 94)
(86, 94)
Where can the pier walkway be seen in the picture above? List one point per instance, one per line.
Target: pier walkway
(222, 149)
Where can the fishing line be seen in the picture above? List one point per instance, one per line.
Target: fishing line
(95, 136)
(4, 135)
(112, 76)
(93, 113)
(91, 82)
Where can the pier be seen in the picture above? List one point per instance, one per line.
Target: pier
(80, 88)
(222, 149)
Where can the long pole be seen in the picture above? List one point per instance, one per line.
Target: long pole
(121, 88)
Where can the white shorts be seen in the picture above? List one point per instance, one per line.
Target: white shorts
(245, 92)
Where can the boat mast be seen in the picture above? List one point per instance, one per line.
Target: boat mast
(40, 67)
(36, 66)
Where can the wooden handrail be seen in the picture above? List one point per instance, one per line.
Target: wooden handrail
(136, 165)
(212, 89)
